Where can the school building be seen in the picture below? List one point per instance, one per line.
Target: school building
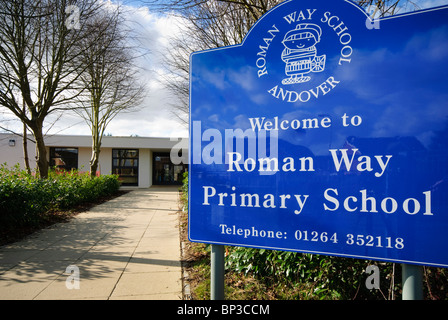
(139, 161)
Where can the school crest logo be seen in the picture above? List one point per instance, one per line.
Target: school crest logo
(292, 54)
(300, 53)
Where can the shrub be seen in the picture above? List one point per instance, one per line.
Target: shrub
(25, 199)
(328, 277)
(184, 189)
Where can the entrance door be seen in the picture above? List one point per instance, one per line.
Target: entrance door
(165, 172)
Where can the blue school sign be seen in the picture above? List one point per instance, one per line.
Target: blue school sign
(324, 132)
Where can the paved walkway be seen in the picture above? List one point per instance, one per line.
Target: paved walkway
(126, 248)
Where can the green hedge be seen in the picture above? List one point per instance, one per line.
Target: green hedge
(25, 199)
(327, 277)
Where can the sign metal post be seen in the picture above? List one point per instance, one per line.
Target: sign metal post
(217, 272)
(412, 279)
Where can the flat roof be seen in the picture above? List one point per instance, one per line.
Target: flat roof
(109, 141)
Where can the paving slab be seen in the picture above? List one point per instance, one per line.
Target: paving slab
(126, 248)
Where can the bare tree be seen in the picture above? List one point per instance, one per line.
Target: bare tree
(111, 77)
(39, 60)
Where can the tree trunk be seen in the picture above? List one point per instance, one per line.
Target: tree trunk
(96, 149)
(41, 151)
(25, 144)
(94, 163)
(25, 150)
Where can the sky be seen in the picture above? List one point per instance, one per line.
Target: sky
(154, 117)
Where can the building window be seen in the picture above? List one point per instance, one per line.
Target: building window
(125, 164)
(64, 158)
(165, 172)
